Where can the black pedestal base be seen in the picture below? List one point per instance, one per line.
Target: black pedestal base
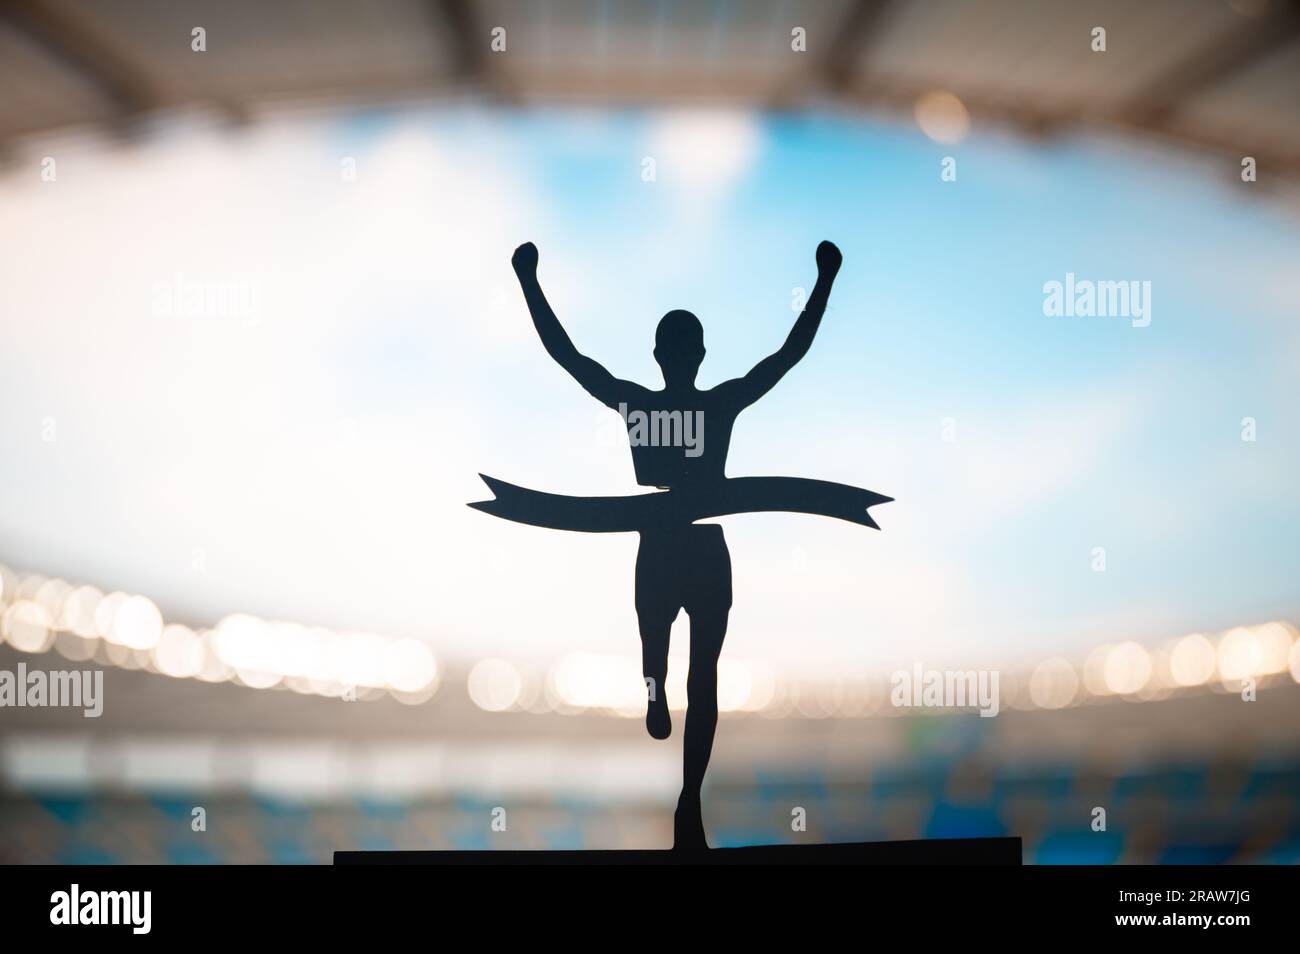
(946, 851)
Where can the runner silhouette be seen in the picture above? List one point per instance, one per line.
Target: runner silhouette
(679, 437)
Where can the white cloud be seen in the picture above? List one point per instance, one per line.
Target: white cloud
(270, 444)
(703, 152)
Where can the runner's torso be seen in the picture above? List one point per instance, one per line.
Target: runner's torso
(679, 441)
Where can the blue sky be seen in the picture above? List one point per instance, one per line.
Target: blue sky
(319, 456)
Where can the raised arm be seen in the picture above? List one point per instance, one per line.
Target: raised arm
(764, 375)
(598, 382)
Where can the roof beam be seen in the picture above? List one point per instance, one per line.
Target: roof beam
(836, 70)
(82, 50)
(839, 68)
(1212, 64)
(464, 41)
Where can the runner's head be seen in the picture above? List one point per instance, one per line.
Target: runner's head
(679, 346)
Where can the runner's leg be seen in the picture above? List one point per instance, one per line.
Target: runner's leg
(709, 604)
(657, 605)
(655, 628)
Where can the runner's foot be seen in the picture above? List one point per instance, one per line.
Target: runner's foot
(688, 825)
(657, 720)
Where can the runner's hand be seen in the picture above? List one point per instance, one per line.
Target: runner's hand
(828, 258)
(525, 259)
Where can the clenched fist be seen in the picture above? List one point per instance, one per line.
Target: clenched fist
(525, 258)
(828, 258)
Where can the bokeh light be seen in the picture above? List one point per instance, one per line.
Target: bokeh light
(495, 685)
(1128, 667)
(943, 117)
(1239, 655)
(1054, 683)
(1192, 660)
(26, 626)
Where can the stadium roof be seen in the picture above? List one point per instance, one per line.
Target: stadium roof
(1218, 75)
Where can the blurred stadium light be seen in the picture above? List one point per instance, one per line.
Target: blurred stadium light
(41, 614)
(1188, 773)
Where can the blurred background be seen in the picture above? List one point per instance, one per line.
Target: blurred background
(260, 335)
